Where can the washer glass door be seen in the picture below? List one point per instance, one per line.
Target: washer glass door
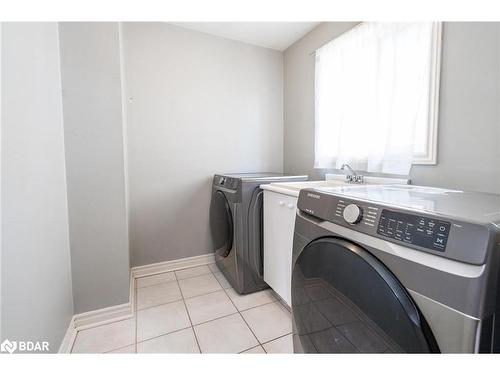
(344, 300)
(221, 224)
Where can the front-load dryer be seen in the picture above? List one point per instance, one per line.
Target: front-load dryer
(384, 269)
(236, 226)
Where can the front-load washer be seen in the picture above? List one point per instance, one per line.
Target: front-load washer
(380, 269)
(236, 226)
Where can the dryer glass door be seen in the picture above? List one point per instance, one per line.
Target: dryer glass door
(344, 300)
(221, 224)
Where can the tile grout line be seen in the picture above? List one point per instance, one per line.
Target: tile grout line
(152, 285)
(282, 301)
(160, 304)
(163, 334)
(224, 316)
(279, 337)
(171, 281)
(238, 312)
(253, 347)
(225, 290)
(136, 310)
(214, 319)
(206, 294)
(112, 350)
(250, 328)
(276, 338)
(191, 277)
(192, 327)
(178, 285)
(254, 307)
(189, 316)
(177, 330)
(231, 287)
(208, 321)
(203, 295)
(177, 300)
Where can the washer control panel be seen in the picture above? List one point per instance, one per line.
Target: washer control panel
(414, 229)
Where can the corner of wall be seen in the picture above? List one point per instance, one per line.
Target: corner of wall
(124, 131)
(1, 177)
(65, 171)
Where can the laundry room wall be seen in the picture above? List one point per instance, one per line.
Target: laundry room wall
(95, 163)
(197, 104)
(36, 296)
(469, 120)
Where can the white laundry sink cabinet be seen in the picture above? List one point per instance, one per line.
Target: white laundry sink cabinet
(279, 221)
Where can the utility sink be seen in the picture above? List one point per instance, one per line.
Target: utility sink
(296, 186)
(331, 180)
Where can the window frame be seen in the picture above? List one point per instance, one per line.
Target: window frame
(430, 157)
(431, 140)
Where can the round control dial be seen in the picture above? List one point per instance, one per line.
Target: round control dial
(352, 213)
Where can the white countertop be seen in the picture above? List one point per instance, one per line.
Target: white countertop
(332, 180)
(293, 188)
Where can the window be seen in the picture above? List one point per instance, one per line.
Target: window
(376, 97)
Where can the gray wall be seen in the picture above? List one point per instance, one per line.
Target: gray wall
(197, 105)
(36, 277)
(91, 82)
(469, 123)
(1, 196)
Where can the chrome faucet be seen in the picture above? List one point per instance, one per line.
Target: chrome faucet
(353, 177)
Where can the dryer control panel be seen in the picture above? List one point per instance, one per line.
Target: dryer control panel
(417, 230)
(225, 182)
(454, 239)
(414, 229)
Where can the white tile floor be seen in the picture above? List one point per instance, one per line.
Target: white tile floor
(194, 310)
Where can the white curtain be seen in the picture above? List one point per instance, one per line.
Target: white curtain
(372, 90)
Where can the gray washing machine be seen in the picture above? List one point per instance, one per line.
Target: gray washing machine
(236, 226)
(408, 269)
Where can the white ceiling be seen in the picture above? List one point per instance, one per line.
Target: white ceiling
(275, 35)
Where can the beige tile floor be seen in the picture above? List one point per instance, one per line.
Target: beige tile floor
(194, 310)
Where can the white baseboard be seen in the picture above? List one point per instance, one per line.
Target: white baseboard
(126, 311)
(69, 338)
(96, 318)
(172, 265)
(103, 316)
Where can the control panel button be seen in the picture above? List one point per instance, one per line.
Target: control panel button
(352, 213)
